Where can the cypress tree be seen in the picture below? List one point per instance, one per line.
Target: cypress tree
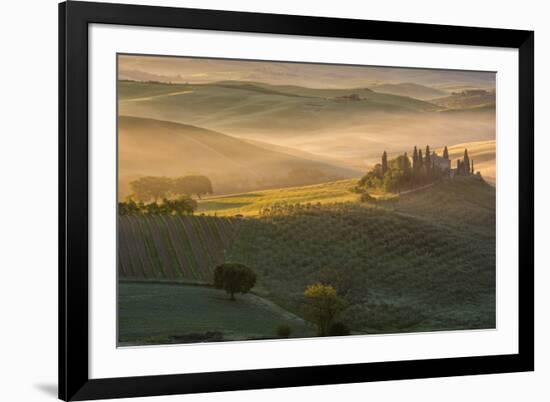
(420, 160)
(445, 153)
(384, 162)
(406, 165)
(466, 162)
(415, 159)
(473, 171)
(428, 159)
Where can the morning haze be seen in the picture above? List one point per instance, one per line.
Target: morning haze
(323, 200)
(336, 119)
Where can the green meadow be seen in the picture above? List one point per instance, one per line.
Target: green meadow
(163, 313)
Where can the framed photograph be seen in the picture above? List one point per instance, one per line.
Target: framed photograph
(258, 201)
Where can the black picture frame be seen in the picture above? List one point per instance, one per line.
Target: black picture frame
(74, 19)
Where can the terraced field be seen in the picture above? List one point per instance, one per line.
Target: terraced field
(173, 248)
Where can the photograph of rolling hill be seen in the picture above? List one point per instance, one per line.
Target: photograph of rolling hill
(273, 200)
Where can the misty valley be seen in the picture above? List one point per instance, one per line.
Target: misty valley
(259, 205)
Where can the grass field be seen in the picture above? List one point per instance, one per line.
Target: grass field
(152, 313)
(249, 204)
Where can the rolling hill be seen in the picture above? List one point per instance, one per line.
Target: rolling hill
(346, 127)
(238, 107)
(409, 89)
(150, 147)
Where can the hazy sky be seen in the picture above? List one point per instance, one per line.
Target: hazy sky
(200, 70)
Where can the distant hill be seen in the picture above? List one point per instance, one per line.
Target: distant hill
(150, 147)
(351, 126)
(409, 89)
(236, 107)
(468, 99)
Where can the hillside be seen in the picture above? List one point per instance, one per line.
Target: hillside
(425, 260)
(409, 89)
(159, 148)
(400, 267)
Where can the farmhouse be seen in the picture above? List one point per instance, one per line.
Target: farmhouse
(441, 162)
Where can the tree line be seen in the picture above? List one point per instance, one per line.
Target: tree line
(182, 205)
(402, 172)
(153, 188)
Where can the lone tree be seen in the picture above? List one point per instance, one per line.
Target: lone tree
(234, 278)
(322, 306)
(445, 153)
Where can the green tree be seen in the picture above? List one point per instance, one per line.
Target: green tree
(384, 163)
(234, 278)
(183, 205)
(194, 184)
(129, 207)
(322, 305)
(151, 188)
(415, 159)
